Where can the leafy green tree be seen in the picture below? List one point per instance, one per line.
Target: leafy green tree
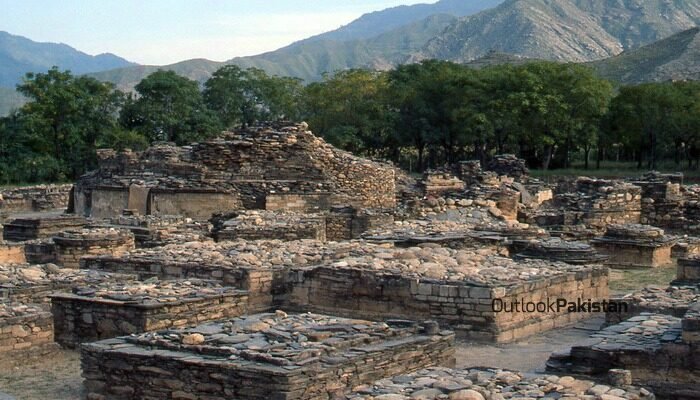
(169, 107)
(245, 96)
(349, 110)
(63, 120)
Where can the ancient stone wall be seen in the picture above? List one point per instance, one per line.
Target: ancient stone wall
(23, 328)
(300, 203)
(90, 317)
(336, 358)
(34, 198)
(71, 246)
(238, 170)
(40, 227)
(465, 308)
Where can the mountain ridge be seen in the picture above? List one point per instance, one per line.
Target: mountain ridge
(19, 55)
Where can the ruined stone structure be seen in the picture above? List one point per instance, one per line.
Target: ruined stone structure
(688, 270)
(357, 279)
(262, 357)
(71, 246)
(258, 225)
(24, 329)
(556, 249)
(594, 203)
(41, 227)
(635, 245)
(33, 284)
(660, 351)
(286, 165)
(155, 231)
(33, 198)
(492, 383)
(108, 310)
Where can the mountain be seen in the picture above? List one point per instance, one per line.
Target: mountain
(19, 55)
(378, 22)
(674, 58)
(199, 69)
(564, 30)
(380, 39)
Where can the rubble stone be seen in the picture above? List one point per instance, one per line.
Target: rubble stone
(297, 356)
(108, 309)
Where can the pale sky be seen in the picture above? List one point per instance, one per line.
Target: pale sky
(166, 31)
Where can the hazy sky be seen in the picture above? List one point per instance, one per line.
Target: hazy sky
(167, 31)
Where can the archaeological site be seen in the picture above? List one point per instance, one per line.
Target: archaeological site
(267, 264)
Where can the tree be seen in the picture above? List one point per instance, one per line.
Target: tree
(349, 110)
(169, 107)
(245, 96)
(63, 121)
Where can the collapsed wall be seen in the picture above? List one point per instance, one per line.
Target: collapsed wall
(280, 166)
(34, 198)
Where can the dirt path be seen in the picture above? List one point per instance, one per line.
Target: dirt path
(56, 377)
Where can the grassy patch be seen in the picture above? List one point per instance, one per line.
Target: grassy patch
(628, 280)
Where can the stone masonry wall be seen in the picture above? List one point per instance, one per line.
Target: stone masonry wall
(465, 308)
(32, 328)
(71, 246)
(79, 319)
(128, 369)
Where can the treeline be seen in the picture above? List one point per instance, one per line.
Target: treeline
(419, 116)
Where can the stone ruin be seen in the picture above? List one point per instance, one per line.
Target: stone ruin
(635, 245)
(263, 356)
(274, 167)
(183, 257)
(358, 279)
(41, 198)
(110, 309)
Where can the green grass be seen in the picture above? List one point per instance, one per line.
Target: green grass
(614, 170)
(628, 280)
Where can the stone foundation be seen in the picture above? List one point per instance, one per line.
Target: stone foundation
(33, 284)
(655, 348)
(239, 361)
(256, 225)
(43, 227)
(34, 199)
(24, 329)
(71, 246)
(467, 309)
(639, 246)
(493, 384)
(111, 310)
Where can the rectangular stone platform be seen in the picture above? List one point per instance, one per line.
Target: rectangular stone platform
(33, 284)
(24, 329)
(71, 246)
(466, 307)
(635, 246)
(109, 310)
(40, 227)
(661, 352)
(264, 356)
